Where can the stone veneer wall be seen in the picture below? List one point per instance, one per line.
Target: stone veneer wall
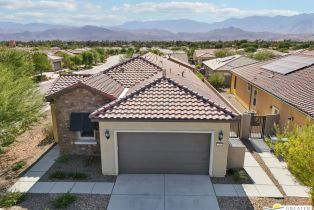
(76, 100)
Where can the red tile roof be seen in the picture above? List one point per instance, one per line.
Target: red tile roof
(65, 81)
(164, 98)
(296, 88)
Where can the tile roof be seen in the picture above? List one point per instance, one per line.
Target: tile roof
(163, 98)
(205, 53)
(189, 79)
(228, 63)
(296, 88)
(104, 83)
(133, 71)
(65, 81)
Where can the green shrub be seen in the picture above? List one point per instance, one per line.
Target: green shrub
(11, 199)
(263, 55)
(48, 131)
(1, 151)
(298, 152)
(63, 201)
(216, 80)
(63, 159)
(18, 165)
(58, 175)
(250, 49)
(224, 53)
(68, 175)
(200, 75)
(77, 175)
(238, 176)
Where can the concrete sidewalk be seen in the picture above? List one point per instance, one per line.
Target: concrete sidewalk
(279, 170)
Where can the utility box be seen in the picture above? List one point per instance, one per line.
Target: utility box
(236, 153)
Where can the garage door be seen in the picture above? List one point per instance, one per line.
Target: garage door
(179, 153)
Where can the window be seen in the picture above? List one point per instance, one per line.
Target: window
(84, 128)
(254, 98)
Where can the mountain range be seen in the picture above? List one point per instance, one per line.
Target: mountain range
(298, 27)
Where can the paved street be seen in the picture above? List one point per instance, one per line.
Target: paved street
(111, 61)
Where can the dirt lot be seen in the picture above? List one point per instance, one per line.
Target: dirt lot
(88, 165)
(43, 201)
(244, 203)
(28, 147)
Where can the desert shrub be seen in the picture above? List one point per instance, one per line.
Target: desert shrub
(58, 175)
(64, 201)
(216, 80)
(48, 131)
(18, 165)
(77, 175)
(263, 55)
(250, 49)
(224, 53)
(11, 199)
(20, 99)
(239, 175)
(63, 159)
(298, 152)
(200, 75)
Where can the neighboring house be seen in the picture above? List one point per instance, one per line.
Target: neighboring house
(56, 62)
(176, 54)
(281, 86)
(145, 115)
(201, 55)
(224, 65)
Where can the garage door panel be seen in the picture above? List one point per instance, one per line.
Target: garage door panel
(163, 153)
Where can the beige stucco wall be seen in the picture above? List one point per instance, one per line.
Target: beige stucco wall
(108, 147)
(264, 103)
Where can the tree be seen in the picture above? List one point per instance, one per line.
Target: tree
(87, 58)
(20, 101)
(298, 152)
(216, 80)
(263, 55)
(41, 62)
(224, 53)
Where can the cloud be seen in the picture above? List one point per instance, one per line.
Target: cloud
(42, 4)
(196, 7)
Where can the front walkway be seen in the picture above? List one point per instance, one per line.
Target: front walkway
(279, 170)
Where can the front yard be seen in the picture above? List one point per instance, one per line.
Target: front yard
(75, 167)
(27, 148)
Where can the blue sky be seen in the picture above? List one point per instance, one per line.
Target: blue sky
(104, 13)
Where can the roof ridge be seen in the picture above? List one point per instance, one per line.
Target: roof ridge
(143, 88)
(115, 102)
(129, 60)
(219, 107)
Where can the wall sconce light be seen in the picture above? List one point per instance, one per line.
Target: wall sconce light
(291, 118)
(107, 134)
(220, 135)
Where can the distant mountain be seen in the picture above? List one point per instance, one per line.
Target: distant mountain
(94, 33)
(175, 26)
(298, 24)
(11, 27)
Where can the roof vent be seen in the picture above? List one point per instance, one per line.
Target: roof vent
(164, 72)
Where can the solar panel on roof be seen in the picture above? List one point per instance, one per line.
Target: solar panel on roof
(289, 64)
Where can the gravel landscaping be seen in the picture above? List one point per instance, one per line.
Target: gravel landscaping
(25, 151)
(44, 201)
(87, 165)
(236, 203)
(233, 177)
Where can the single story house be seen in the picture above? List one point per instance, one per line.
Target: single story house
(176, 54)
(224, 65)
(145, 115)
(56, 62)
(282, 86)
(201, 55)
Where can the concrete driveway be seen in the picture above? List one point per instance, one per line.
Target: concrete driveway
(163, 192)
